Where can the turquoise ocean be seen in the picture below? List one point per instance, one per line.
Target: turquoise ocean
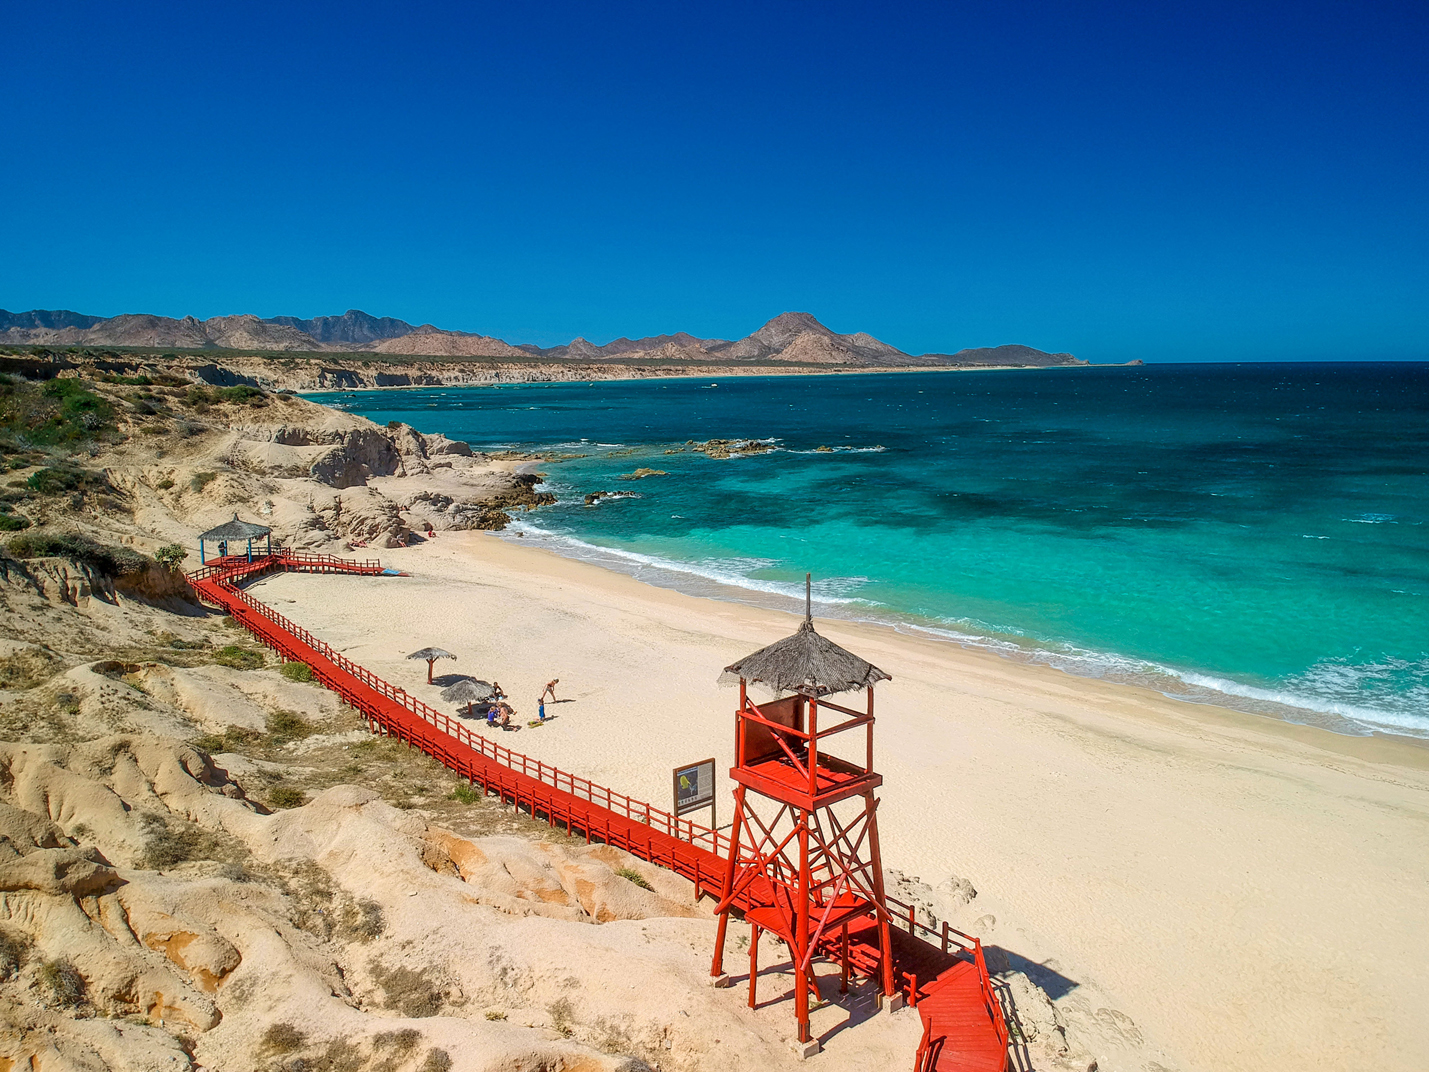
(1252, 535)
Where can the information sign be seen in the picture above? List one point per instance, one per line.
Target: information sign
(695, 787)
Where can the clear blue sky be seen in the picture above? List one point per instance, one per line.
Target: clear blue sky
(1171, 181)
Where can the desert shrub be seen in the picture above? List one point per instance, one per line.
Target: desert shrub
(465, 794)
(28, 667)
(239, 658)
(242, 394)
(297, 672)
(495, 1014)
(285, 796)
(62, 980)
(170, 555)
(632, 875)
(282, 1037)
(14, 949)
(65, 479)
(230, 740)
(102, 558)
(170, 841)
(165, 484)
(362, 920)
(407, 991)
(438, 1060)
(12, 522)
(399, 1042)
(199, 481)
(562, 1016)
(284, 726)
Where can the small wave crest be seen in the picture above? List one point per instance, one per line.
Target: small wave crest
(1357, 699)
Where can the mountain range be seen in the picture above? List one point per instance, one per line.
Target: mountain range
(796, 338)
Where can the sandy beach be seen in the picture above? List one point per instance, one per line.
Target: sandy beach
(1245, 893)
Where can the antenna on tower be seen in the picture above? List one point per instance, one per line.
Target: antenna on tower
(808, 597)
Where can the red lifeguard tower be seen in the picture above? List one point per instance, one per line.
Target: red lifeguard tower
(804, 861)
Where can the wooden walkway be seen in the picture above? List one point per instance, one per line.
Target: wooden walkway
(941, 972)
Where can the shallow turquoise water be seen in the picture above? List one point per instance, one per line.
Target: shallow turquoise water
(1243, 534)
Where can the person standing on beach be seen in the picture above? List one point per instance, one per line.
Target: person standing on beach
(550, 690)
(541, 707)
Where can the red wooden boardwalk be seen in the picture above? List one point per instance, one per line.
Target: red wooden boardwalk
(945, 977)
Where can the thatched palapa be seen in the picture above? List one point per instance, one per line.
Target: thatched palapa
(807, 662)
(235, 530)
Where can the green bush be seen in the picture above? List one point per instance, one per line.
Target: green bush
(202, 480)
(238, 658)
(466, 794)
(13, 522)
(102, 558)
(242, 394)
(285, 796)
(170, 555)
(63, 479)
(297, 672)
(632, 875)
(285, 726)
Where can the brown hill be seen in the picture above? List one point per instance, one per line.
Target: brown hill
(790, 338)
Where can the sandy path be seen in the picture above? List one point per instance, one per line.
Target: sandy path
(1252, 894)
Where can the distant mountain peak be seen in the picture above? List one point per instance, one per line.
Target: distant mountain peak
(792, 338)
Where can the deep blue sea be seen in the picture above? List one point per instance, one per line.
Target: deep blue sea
(1253, 535)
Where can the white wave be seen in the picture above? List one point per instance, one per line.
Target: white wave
(1319, 697)
(726, 572)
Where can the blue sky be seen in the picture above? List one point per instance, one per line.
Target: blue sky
(1197, 181)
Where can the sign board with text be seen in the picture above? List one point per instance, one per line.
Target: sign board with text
(695, 787)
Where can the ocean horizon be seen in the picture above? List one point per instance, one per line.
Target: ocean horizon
(1249, 535)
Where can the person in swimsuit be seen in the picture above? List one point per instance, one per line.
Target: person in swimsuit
(550, 689)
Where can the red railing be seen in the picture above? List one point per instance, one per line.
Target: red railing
(217, 580)
(224, 573)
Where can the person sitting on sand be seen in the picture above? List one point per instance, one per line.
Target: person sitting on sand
(550, 689)
(492, 712)
(505, 717)
(496, 691)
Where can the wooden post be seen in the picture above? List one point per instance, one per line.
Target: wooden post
(753, 962)
(801, 934)
(812, 755)
(884, 940)
(717, 965)
(843, 956)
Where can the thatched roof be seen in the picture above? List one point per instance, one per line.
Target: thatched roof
(236, 530)
(809, 663)
(431, 653)
(467, 690)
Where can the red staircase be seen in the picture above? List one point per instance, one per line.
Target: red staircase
(942, 973)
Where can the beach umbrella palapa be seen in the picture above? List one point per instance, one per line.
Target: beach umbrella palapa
(431, 655)
(806, 662)
(468, 691)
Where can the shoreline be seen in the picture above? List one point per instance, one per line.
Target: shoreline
(1011, 647)
(1164, 860)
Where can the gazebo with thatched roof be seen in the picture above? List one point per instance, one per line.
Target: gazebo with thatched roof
(809, 866)
(232, 531)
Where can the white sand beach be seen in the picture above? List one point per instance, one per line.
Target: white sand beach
(1246, 894)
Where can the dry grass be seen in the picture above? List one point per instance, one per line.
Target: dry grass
(61, 981)
(406, 991)
(282, 1037)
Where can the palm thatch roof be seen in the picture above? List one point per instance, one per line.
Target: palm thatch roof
(807, 662)
(468, 691)
(431, 653)
(236, 530)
